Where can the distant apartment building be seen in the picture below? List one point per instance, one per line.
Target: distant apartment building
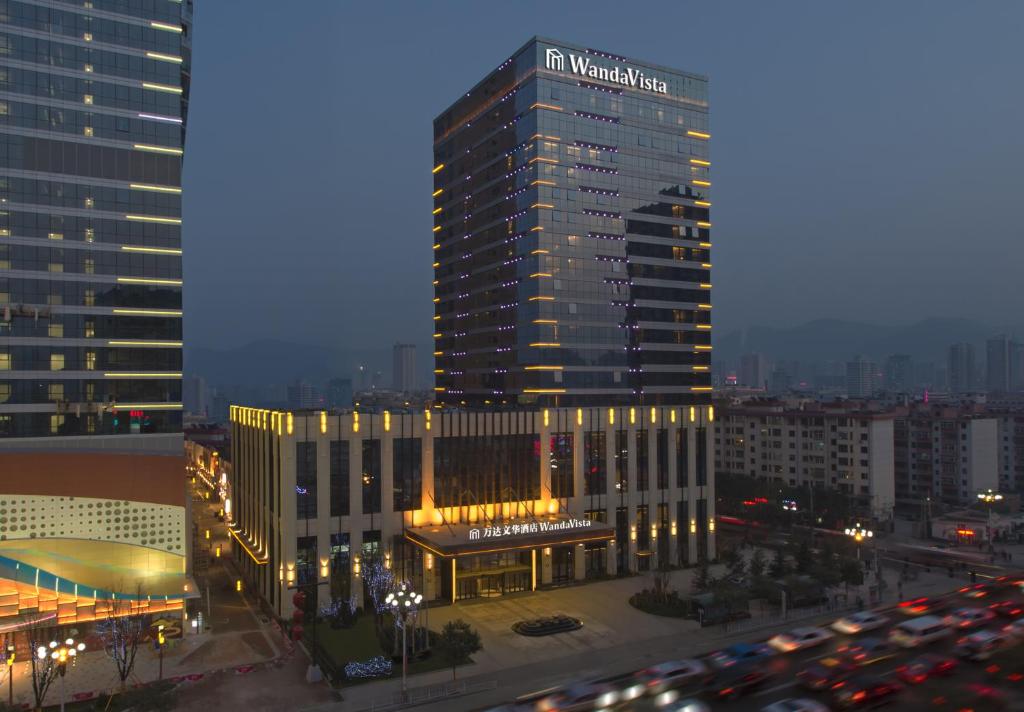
(960, 368)
(898, 373)
(302, 394)
(195, 396)
(947, 453)
(1004, 364)
(860, 378)
(404, 368)
(753, 371)
(1011, 449)
(810, 444)
(339, 393)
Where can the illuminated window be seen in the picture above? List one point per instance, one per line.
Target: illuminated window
(90, 391)
(56, 235)
(90, 297)
(90, 265)
(87, 131)
(5, 361)
(56, 267)
(90, 424)
(90, 360)
(55, 330)
(56, 362)
(56, 422)
(5, 392)
(55, 391)
(87, 99)
(90, 328)
(89, 202)
(90, 234)
(88, 68)
(55, 300)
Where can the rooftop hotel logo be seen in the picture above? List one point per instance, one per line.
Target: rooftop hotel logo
(555, 61)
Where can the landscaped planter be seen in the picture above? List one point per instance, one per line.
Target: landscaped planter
(547, 626)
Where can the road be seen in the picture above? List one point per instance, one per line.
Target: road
(1004, 672)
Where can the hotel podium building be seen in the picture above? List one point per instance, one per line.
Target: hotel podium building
(571, 434)
(93, 107)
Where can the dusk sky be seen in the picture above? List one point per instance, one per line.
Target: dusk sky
(866, 156)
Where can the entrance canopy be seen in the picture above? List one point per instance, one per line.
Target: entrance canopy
(508, 535)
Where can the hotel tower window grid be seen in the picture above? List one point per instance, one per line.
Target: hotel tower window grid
(572, 237)
(93, 107)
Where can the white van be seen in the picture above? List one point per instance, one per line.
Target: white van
(919, 631)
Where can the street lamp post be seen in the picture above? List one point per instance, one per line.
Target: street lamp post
(988, 497)
(859, 534)
(61, 654)
(403, 604)
(10, 671)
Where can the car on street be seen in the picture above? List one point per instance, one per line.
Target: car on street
(689, 704)
(669, 675)
(866, 651)
(969, 618)
(983, 644)
(738, 681)
(919, 631)
(825, 674)
(740, 653)
(921, 606)
(800, 639)
(583, 697)
(1007, 609)
(1015, 629)
(866, 692)
(976, 590)
(860, 622)
(795, 705)
(924, 667)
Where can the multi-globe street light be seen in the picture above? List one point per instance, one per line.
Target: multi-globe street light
(858, 534)
(403, 604)
(60, 654)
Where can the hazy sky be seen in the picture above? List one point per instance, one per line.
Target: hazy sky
(867, 156)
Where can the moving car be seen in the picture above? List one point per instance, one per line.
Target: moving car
(866, 651)
(666, 676)
(969, 618)
(866, 692)
(976, 590)
(738, 681)
(983, 644)
(740, 653)
(799, 639)
(825, 674)
(795, 705)
(926, 666)
(686, 705)
(920, 631)
(860, 622)
(1007, 609)
(921, 606)
(1015, 629)
(580, 698)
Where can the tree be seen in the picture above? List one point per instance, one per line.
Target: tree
(121, 632)
(380, 581)
(804, 558)
(778, 567)
(851, 572)
(457, 642)
(702, 581)
(737, 565)
(757, 564)
(661, 583)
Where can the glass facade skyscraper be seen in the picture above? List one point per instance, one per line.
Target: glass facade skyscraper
(572, 234)
(93, 107)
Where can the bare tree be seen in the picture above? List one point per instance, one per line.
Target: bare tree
(44, 667)
(121, 632)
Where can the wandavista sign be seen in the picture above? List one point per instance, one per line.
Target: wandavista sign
(626, 76)
(500, 531)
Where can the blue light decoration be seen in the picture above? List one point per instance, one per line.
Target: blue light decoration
(374, 667)
(301, 490)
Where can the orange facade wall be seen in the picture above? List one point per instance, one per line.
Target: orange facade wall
(159, 479)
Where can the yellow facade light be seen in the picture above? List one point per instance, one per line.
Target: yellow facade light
(437, 192)
(693, 414)
(147, 312)
(632, 416)
(153, 219)
(699, 162)
(542, 368)
(611, 416)
(157, 149)
(672, 415)
(702, 203)
(654, 532)
(147, 280)
(323, 421)
(579, 416)
(540, 274)
(549, 107)
(387, 421)
(711, 413)
(435, 211)
(632, 532)
(438, 168)
(674, 529)
(543, 390)
(546, 422)
(436, 228)
(146, 344)
(152, 250)
(141, 374)
(355, 422)
(291, 423)
(700, 389)
(545, 321)
(426, 421)
(164, 57)
(702, 347)
(155, 188)
(697, 134)
(711, 524)
(705, 285)
(701, 223)
(162, 87)
(693, 526)
(542, 182)
(654, 415)
(541, 299)
(545, 344)
(702, 183)
(164, 26)
(541, 205)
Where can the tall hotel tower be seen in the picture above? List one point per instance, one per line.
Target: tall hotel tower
(572, 237)
(93, 105)
(571, 431)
